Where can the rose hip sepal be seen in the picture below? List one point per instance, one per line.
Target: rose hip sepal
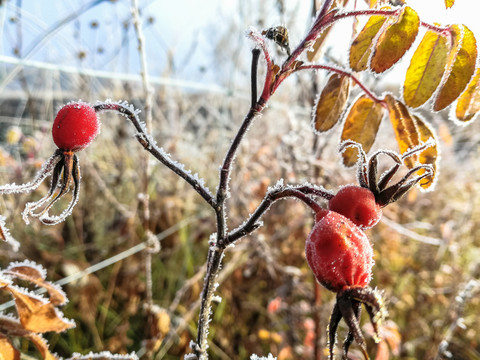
(341, 258)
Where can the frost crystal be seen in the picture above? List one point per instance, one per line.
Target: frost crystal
(42, 272)
(103, 355)
(7, 236)
(256, 357)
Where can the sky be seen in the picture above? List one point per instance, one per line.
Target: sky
(182, 35)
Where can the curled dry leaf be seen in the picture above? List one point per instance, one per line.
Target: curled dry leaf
(37, 315)
(7, 351)
(361, 125)
(426, 69)
(34, 275)
(460, 66)
(395, 40)
(42, 346)
(468, 104)
(363, 45)
(331, 102)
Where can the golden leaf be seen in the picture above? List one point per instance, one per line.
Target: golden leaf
(430, 154)
(362, 46)
(460, 66)
(426, 69)
(37, 315)
(468, 104)
(314, 53)
(406, 132)
(7, 351)
(395, 40)
(449, 3)
(331, 102)
(361, 126)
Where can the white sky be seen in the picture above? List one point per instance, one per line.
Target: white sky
(180, 26)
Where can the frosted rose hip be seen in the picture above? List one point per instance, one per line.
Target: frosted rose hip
(339, 253)
(75, 126)
(357, 204)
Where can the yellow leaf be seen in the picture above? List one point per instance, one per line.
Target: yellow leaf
(331, 102)
(37, 315)
(468, 104)
(430, 154)
(361, 126)
(460, 66)
(7, 351)
(406, 132)
(395, 40)
(314, 53)
(449, 3)
(363, 44)
(426, 69)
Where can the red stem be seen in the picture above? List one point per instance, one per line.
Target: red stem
(343, 73)
(438, 29)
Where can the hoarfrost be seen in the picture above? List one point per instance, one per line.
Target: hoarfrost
(7, 236)
(256, 357)
(42, 272)
(103, 355)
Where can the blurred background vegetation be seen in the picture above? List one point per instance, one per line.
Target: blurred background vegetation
(427, 249)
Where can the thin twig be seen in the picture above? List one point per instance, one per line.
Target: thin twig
(145, 199)
(255, 56)
(469, 289)
(149, 144)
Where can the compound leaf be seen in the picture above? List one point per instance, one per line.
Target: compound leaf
(361, 126)
(331, 102)
(395, 40)
(362, 46)
(468, 104)
(460, 66)
(426, 69)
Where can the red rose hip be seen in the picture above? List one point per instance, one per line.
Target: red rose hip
(75, 126)
(358, 204)
(339, 253)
